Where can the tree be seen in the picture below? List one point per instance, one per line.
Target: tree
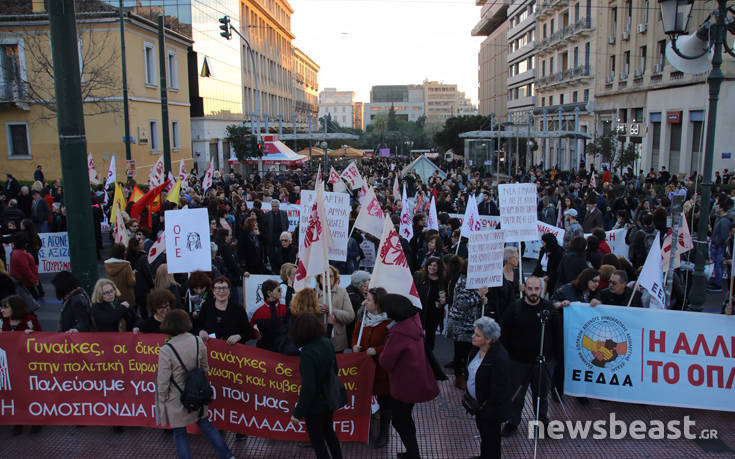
(448, 137)
(237, 135)
(392, 120)
(611, 149)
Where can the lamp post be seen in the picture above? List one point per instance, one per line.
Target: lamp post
(709, 38)
(324, 145)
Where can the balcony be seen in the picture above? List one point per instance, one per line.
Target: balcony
(569, 34)
(528, 101)
(544, 9)
(14, 92)
(570, 77)
(514, 31)
(527, 75)
(520, 52)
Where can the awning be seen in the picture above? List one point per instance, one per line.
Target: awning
(346, 151)
(276, 152)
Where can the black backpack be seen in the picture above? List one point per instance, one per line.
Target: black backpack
(197, 392)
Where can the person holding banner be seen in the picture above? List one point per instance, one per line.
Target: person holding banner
(159, 305)
(182, 353)
(463, 312)
(76, 308)
(341, 313)
(369, 336)
(271, 319)
(222, 318)
(109, 313)
(549, 259)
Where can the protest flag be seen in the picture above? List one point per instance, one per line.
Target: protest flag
(171, 182)
(333, 176)
(685, 244)
(391, 267)
(352, 176)
(396, 188)
(432, 223)
(157, 248)
(92, 169)
(111, 177)
(118, 199)
(146, 200)
(173, 195)
(207, 180)
(314, 248)
(136, 194)
(121, 231)
(182, 171)
(652, 276)
(370, 218)
(406, 227)
(471, 221)
(156, 175)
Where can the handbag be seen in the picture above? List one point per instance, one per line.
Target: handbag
(334, 391)
(471, 404)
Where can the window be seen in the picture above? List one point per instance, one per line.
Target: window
(612, 64)
(576, 12)
(543, 101)
(661, 52)
(587, 54)
(644, 19)
(561, 99)
(153, 128)
(626, 56)
(149, 54)
(543, 68)
(551, 100)
(175, 135)
(19, 143)
(551, 65)
(576, 56)
(586, 95)
(551, 26)
(644, 50)
(575, 97)
(614, 21)
(173, 70)
(530, 63)
(544, 30)
(12, 69)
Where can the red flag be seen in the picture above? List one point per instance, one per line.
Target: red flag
(146, 200)
(136, 194)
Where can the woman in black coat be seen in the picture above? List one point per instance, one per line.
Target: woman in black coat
(222, 317)
(488, 367)
(251, 249)
(549, 258)
(573, 262)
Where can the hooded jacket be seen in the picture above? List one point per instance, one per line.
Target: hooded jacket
(121, 273)
(721, 229)
(410, 376)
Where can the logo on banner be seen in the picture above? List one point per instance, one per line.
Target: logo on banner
(4, 371)
(603, 343)
(392, 252)
(373, 208)
(314, 230)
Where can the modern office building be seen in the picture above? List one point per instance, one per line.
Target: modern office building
(492, 59)
(407, 102)
(566, 67)
(522, 73)
(640, 95)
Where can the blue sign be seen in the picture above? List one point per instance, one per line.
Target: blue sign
(727, 155)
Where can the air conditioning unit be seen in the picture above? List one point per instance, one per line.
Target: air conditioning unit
(610, 78)
(642, 28)
(623, 75)
(611, 39)
(626, 36)
(658, 68)
(639, 73)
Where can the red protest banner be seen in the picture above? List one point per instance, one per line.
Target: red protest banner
(110, 379)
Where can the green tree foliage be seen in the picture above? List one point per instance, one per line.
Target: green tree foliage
(611, 149)
(448, 137)
(236, 135)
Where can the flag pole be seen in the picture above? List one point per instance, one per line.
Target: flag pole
(362, 324)
(635, 289)
(728, 310)
(520, 270)
(329, 294)
(459, 242)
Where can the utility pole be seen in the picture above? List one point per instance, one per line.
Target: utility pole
(126, 113)
(72, 141)
(164, 96)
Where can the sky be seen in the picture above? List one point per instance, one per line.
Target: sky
(362, 43)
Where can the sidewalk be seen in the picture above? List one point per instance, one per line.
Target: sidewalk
(444, 431)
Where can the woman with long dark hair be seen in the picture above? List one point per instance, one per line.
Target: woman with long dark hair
(432, 288)
(548, 261)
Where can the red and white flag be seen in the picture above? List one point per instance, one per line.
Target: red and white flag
(362, 194)
(370, 219)
(593, 181)
(92, 169)
(685, 244)
(432, 223)
(652, 275)
(207, 180)
(352, 176)
(171, 181)
(391, 267)
(157, 248)
(333, 176)
(396, 188)
(121, 232)
(406, 227)
(111, 173)
(314, 248)
(471, 221)
(182, 172)
(157, 175)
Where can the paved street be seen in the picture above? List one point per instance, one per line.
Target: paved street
(444, 429)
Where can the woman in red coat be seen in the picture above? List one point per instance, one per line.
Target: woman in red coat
(22, 265)
(410, 376)
(374, 334)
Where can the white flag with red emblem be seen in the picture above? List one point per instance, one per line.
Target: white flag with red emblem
(471, 221)
(157, 248)
(314, 247)
(396, 188)
(182, 172)
(406, 227)
(121, 232)
(207, 180)
(432, 223)
(111, 174)
(93, 178)
(362, 194)
(333, 176)
(171, 182)
(156, 175)
(391, 267)
(352, 176)
(370, 219)
(685, 244)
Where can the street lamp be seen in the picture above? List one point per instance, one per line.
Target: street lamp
(709, 38)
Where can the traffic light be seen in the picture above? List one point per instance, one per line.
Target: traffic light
(251, 147)
(225, 27)
(259, 149)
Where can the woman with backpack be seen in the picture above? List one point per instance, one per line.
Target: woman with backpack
(176, 362)
(317, 366)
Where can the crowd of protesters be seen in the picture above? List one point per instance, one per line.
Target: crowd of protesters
(495, 331)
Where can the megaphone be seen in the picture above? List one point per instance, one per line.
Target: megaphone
(691, 45)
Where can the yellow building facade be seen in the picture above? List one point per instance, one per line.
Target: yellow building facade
(28, 129)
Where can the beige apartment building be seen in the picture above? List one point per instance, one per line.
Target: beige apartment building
(441, 101)
(306, 88)
(492, 71)
(659, 109)
(566, 71)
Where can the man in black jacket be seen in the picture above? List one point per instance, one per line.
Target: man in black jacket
(618, 293)
(521, 336)
(275, 222)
